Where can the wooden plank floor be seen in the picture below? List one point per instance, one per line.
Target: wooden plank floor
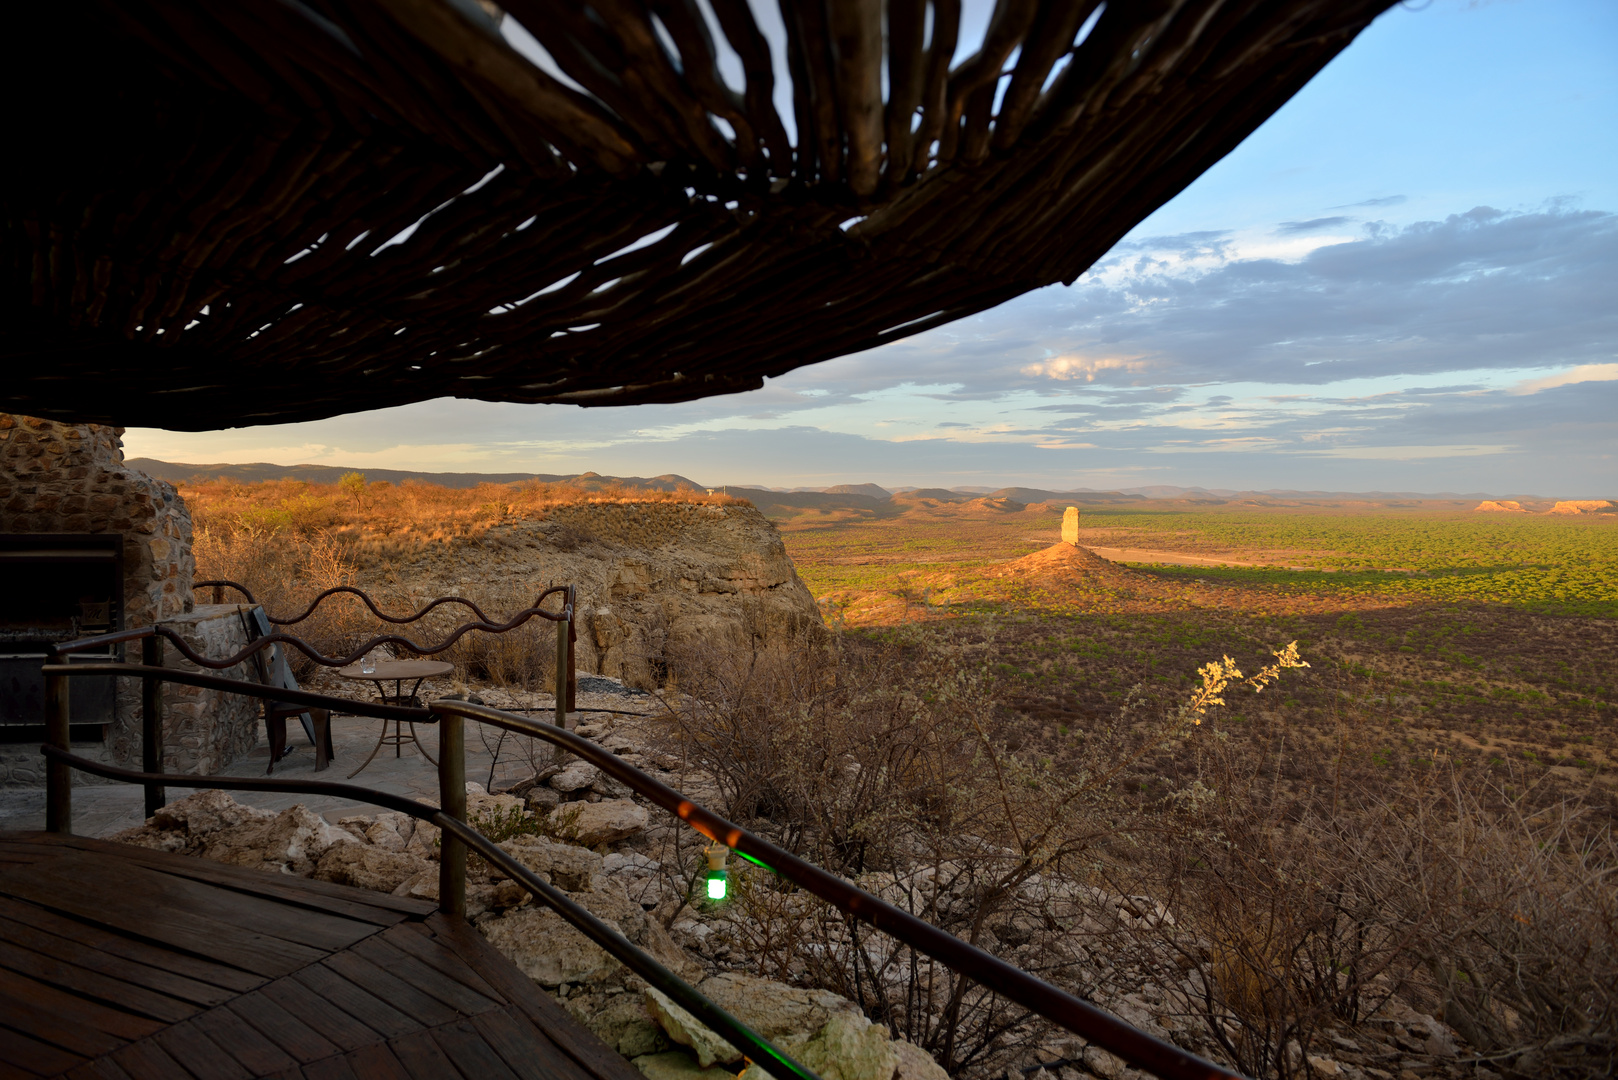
(120, 963)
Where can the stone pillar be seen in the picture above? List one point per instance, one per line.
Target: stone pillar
(71, 478)
(1070, 526)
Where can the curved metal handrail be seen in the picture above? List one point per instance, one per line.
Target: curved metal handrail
(367, 601)
(536, 612)
(735, 1032)
(1078, 1016)
(1095, 1024)
(352, 706)
(225, 583)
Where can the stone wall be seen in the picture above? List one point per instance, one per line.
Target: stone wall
(203, 730)
(71, 478)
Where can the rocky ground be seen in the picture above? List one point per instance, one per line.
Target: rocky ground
(581, 831)
(598, 854)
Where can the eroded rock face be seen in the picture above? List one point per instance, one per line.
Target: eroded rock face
(563, 865)
(653, 578)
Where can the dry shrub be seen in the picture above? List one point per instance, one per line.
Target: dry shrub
(402, 515)
(888, 762)
(1257, 917)
(286, 572)
(1470, 894)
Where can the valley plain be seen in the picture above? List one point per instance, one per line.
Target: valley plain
(1436, 628)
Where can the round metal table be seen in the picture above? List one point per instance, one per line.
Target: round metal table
(398, 672)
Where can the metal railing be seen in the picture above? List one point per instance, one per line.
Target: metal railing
(1078, 1016)
(566, 643)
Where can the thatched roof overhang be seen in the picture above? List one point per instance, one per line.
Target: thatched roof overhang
(275, 210)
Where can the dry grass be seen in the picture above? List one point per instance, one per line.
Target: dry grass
(285, 572)
(356, 510)
(1258, 914)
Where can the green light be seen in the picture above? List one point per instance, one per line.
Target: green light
(717, 884)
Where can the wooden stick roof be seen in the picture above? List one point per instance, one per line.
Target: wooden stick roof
(274, 210)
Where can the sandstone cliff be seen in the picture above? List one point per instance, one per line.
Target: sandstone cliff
(653, 577)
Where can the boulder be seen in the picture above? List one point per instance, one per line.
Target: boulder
(782, 1014)
(849, 1047)
(687, 1030)
(621, 1020)
(773, 1010)
(292, 842)
(367, 867)
(546, 948)
(608, 821)
(576, 777)
(1102, 1063)
(916, 1063)
(564, 865)
(674, 1065)
(206, 812)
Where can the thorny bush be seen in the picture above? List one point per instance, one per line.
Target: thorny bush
(1263, 920)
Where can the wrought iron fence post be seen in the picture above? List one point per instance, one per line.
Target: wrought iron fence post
(572, 637)
(452, 801)
(561, 665)
(58, 774)
(151, 721)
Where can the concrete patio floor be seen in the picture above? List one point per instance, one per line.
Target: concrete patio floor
(101, 809)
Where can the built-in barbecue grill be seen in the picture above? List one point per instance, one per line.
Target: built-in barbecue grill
(56, 587)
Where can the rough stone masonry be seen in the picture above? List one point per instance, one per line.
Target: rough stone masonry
(71, 478)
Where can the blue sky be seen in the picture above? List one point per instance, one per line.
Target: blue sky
(1406, 280)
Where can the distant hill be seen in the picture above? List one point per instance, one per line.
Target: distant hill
(868, 490)
(179, 472)
(857, 499)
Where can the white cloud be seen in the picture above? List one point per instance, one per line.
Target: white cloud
(1582, 373)
(1065, 368)
(1407, 453)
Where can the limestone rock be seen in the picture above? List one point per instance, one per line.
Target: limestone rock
(687, 1030)
(1103, 1064)
(674, 1065)
(480, 803)
(205, 812)
(576, 777)
(849, 1047)
(916, 1063)
(292, 842)
(772, 1009)
(564, 865)
(609, 821)
(783, 1015)
(367, 867)
(546, 948)
(542, 800)
(621, 1021)
(1070, 526)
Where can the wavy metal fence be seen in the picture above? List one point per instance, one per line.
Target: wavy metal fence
(1078, 1016)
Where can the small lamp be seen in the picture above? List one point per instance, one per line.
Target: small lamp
(718, 878)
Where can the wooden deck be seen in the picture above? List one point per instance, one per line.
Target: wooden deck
(117, 962)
